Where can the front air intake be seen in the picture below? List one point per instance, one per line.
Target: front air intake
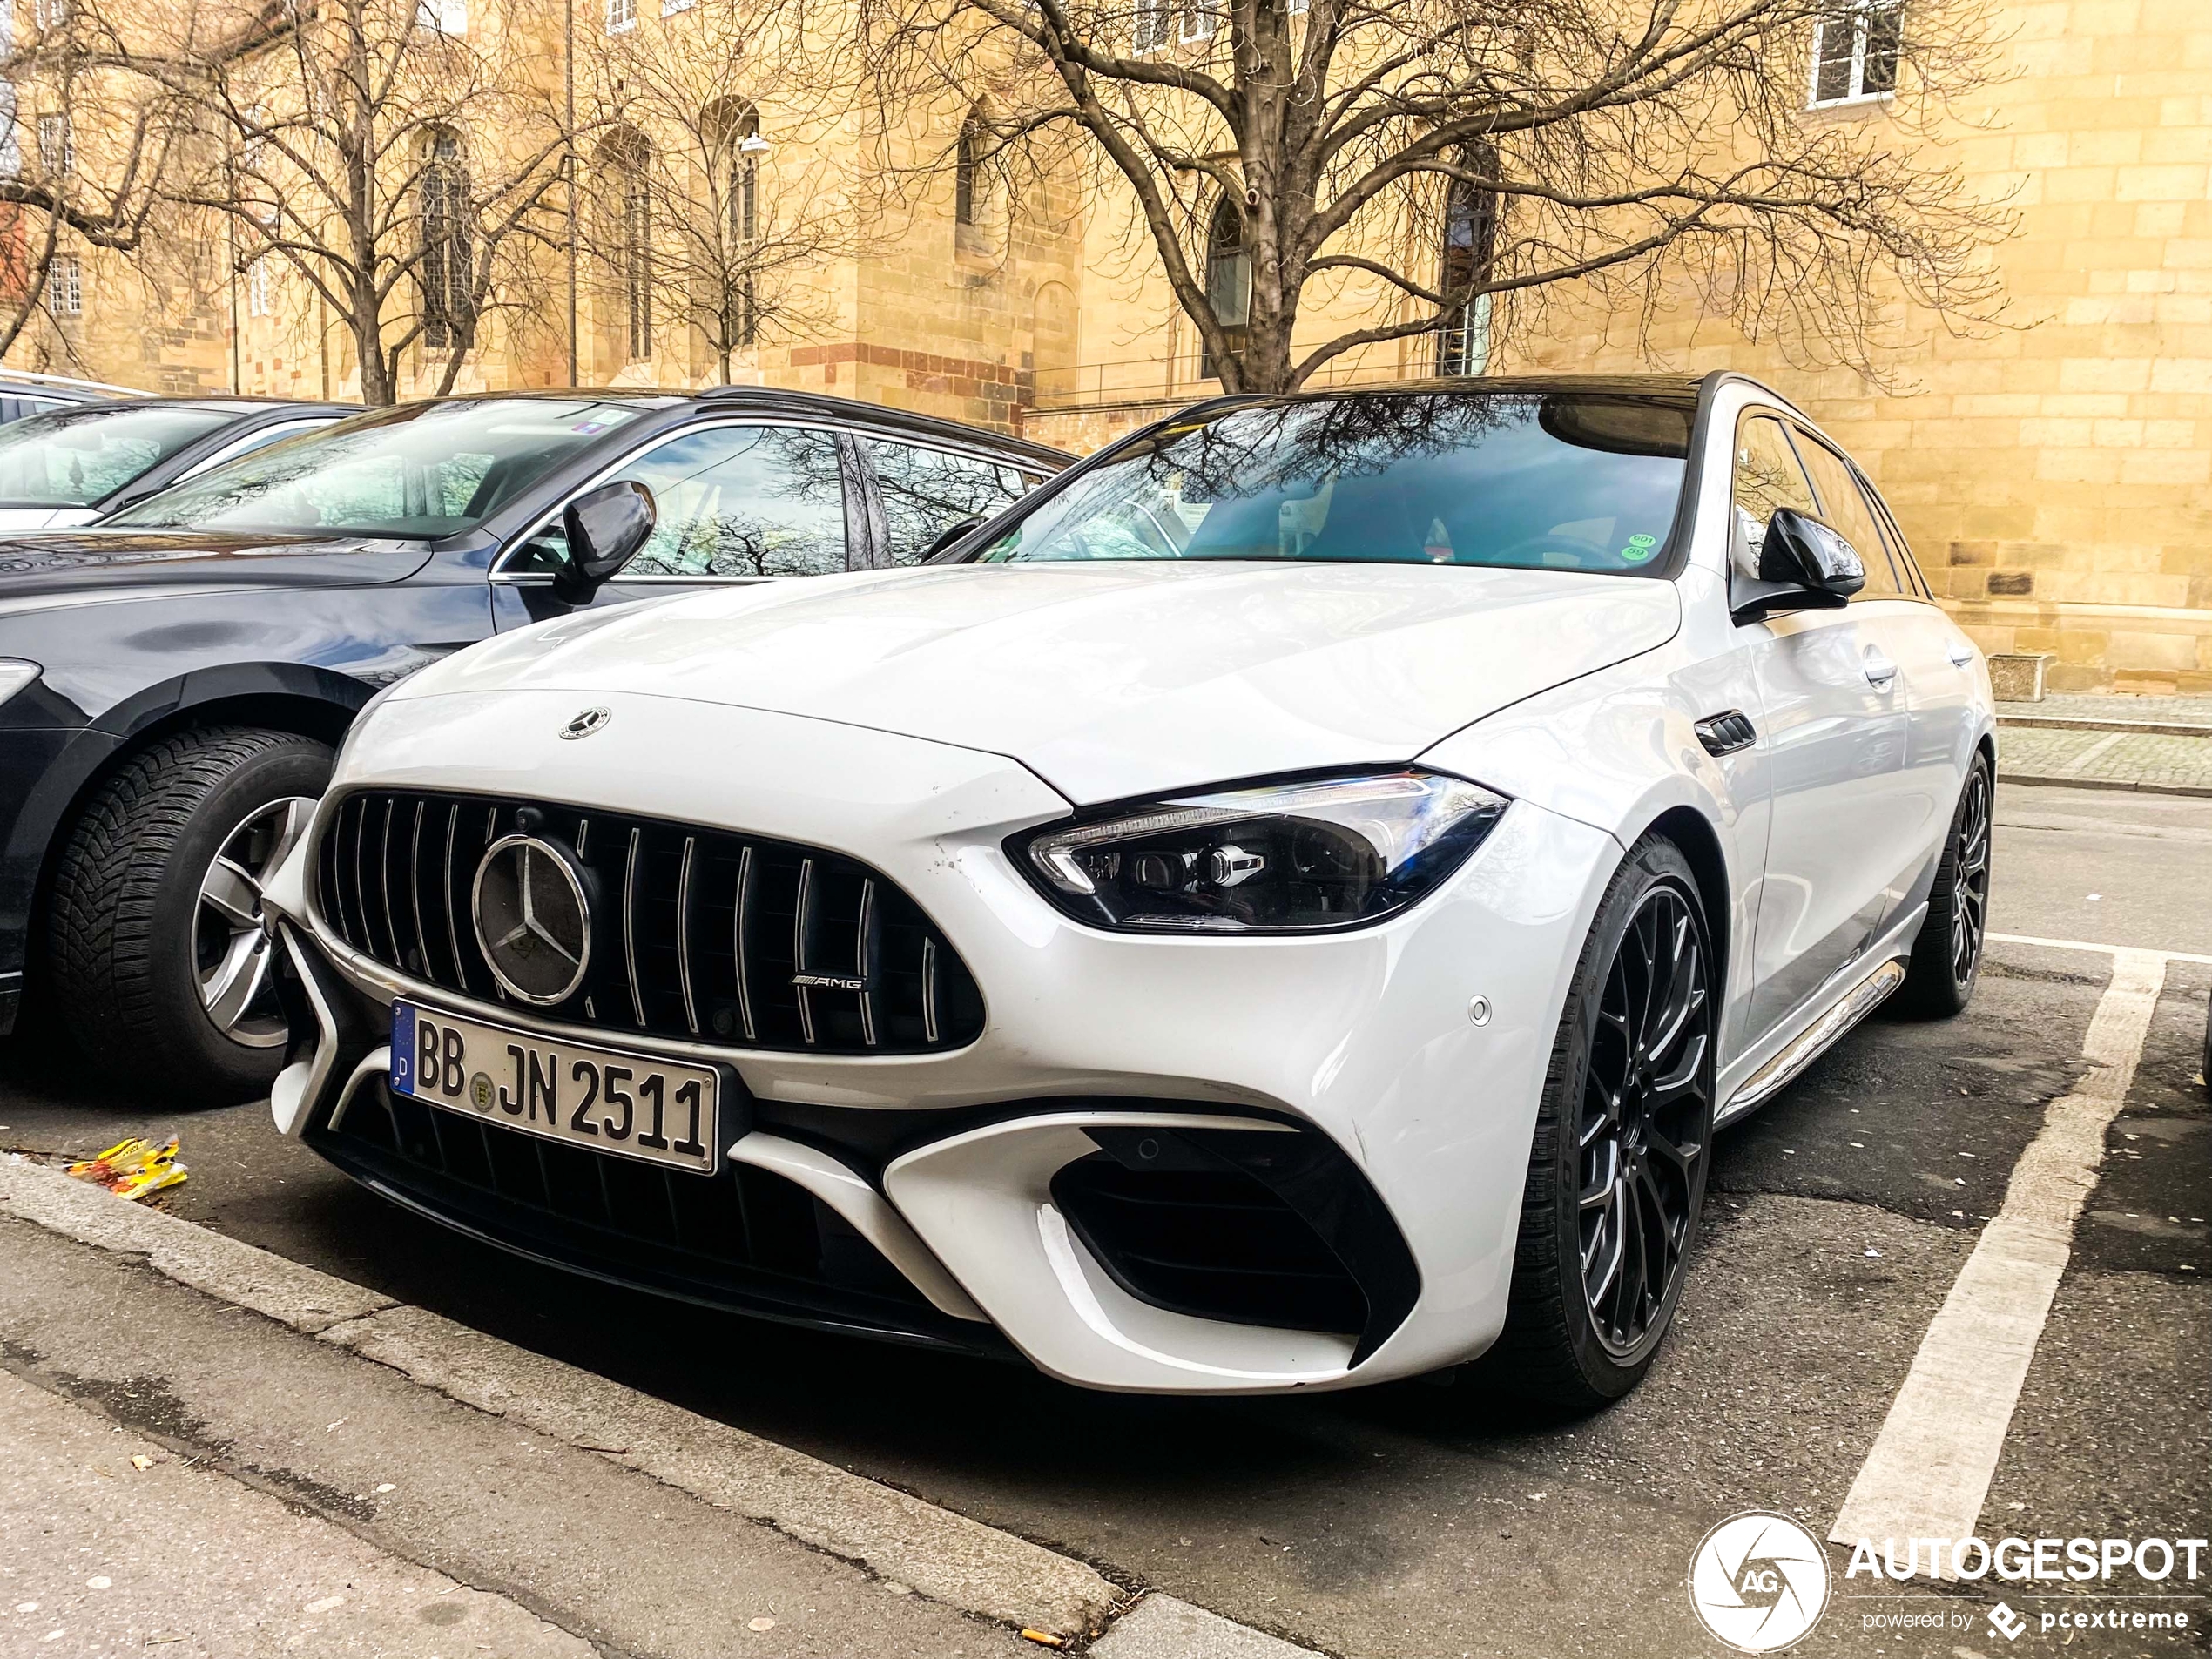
(696, 933)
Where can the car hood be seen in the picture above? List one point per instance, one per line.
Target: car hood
(1110, 679)
(95, 562)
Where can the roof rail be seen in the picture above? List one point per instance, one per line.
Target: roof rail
(38, 378)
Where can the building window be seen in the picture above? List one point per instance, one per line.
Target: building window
(1470, 248)
(636, 255)
(1199, 20)
(741, 145)
(443, 16)
(1855, 49)
(57, 146)
(1154, 18)
(258, 286)
(51, 14)
(622, 16)
(1229, 280)
(446, 262)
(968, 167)
(65, 286)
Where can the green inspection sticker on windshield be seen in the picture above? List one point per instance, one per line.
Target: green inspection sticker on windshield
(1640, 548)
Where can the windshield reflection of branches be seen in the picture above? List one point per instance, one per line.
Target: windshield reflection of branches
(1252, 450)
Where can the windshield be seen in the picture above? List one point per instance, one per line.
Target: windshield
(1560, 481)
(421, 471)
(79, 457)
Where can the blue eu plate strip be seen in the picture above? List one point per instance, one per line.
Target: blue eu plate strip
(403, 1048)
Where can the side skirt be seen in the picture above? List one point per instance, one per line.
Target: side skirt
(1858, 998)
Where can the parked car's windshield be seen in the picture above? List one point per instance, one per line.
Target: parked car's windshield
(1567, 480)
(422, 470)
(78, 457)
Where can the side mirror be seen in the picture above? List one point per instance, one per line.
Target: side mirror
(605, 527)
(950, 534)
(1804, 565)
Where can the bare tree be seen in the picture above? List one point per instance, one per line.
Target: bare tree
(84, 149)
(692, 211)
(1383, 169)
(399, 155)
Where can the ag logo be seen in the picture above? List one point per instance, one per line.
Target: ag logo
(1758, 1581)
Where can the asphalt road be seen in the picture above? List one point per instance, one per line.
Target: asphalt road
(1433, 1519)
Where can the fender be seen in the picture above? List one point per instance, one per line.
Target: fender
(75, 759)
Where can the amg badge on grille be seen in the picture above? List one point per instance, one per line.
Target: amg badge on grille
(832, 981)
(586, 724)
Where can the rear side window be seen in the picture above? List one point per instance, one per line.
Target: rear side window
(926, 492)
(1844, 508)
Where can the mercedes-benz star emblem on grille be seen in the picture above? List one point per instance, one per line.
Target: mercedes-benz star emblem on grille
(533, 921)
(586, 724)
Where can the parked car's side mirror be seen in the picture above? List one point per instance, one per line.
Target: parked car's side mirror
(605, 527)
(1803, 565)
(950, 534)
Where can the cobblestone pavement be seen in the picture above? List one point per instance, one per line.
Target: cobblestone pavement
(2138, 761)
(2159, 710)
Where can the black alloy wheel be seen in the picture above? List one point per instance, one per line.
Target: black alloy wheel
(1646, 1122)
(1946, 958)
(1623, 1140)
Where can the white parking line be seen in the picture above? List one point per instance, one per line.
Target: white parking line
(2080, 944)
(1930, 1468)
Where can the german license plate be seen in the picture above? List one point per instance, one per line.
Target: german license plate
(633, 1105)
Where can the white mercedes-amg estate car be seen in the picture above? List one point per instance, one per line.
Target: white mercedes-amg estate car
(1286, 905)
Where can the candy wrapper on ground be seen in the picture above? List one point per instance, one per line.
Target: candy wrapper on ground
(132, 1168)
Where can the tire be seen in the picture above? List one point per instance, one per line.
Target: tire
(143, 929)
(1947, 957)
(1631, 1088)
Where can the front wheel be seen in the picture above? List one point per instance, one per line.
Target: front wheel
(1946, 958)
(1624, 1129)
(155, 946)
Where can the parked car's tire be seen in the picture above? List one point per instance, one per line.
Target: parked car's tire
(154, 947)
(1946, 958)
(1624, 1129)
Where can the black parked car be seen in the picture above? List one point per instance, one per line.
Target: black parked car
(79, 465)
(173, 682)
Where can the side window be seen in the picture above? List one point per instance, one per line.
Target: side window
(1845, 509)
(731, 501)
(926, 492)
(1767, 476)
(1908, 570)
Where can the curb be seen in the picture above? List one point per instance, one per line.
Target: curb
(2090, 722)
(947, 1557)
(2055, 781)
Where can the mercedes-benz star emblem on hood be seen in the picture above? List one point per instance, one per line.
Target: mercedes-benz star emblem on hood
(586, 724)
(532, 919)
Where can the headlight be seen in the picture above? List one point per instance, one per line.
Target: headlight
(14, 674)
(1305, 856)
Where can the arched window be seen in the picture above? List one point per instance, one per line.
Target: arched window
(1470, 250)
(735, 145)
(448, 313)
(967, 170)
(1229, 279)
(626, 192)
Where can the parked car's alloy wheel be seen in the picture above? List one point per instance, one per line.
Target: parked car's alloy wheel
(1946, 958)
(154, 946)
(232, 951)
(1617, 1176)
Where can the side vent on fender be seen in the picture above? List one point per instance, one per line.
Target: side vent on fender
(1724, 733)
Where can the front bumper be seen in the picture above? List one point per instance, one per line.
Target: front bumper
(1404, 1129)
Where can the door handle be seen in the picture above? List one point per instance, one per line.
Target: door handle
(1880, 671)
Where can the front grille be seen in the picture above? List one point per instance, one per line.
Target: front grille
(698, 934)
(1246, 1226)
(740, 1238)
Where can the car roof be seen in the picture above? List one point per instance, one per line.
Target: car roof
(1682, 389)
(770, 400)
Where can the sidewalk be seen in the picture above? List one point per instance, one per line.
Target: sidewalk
(2160, 744)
